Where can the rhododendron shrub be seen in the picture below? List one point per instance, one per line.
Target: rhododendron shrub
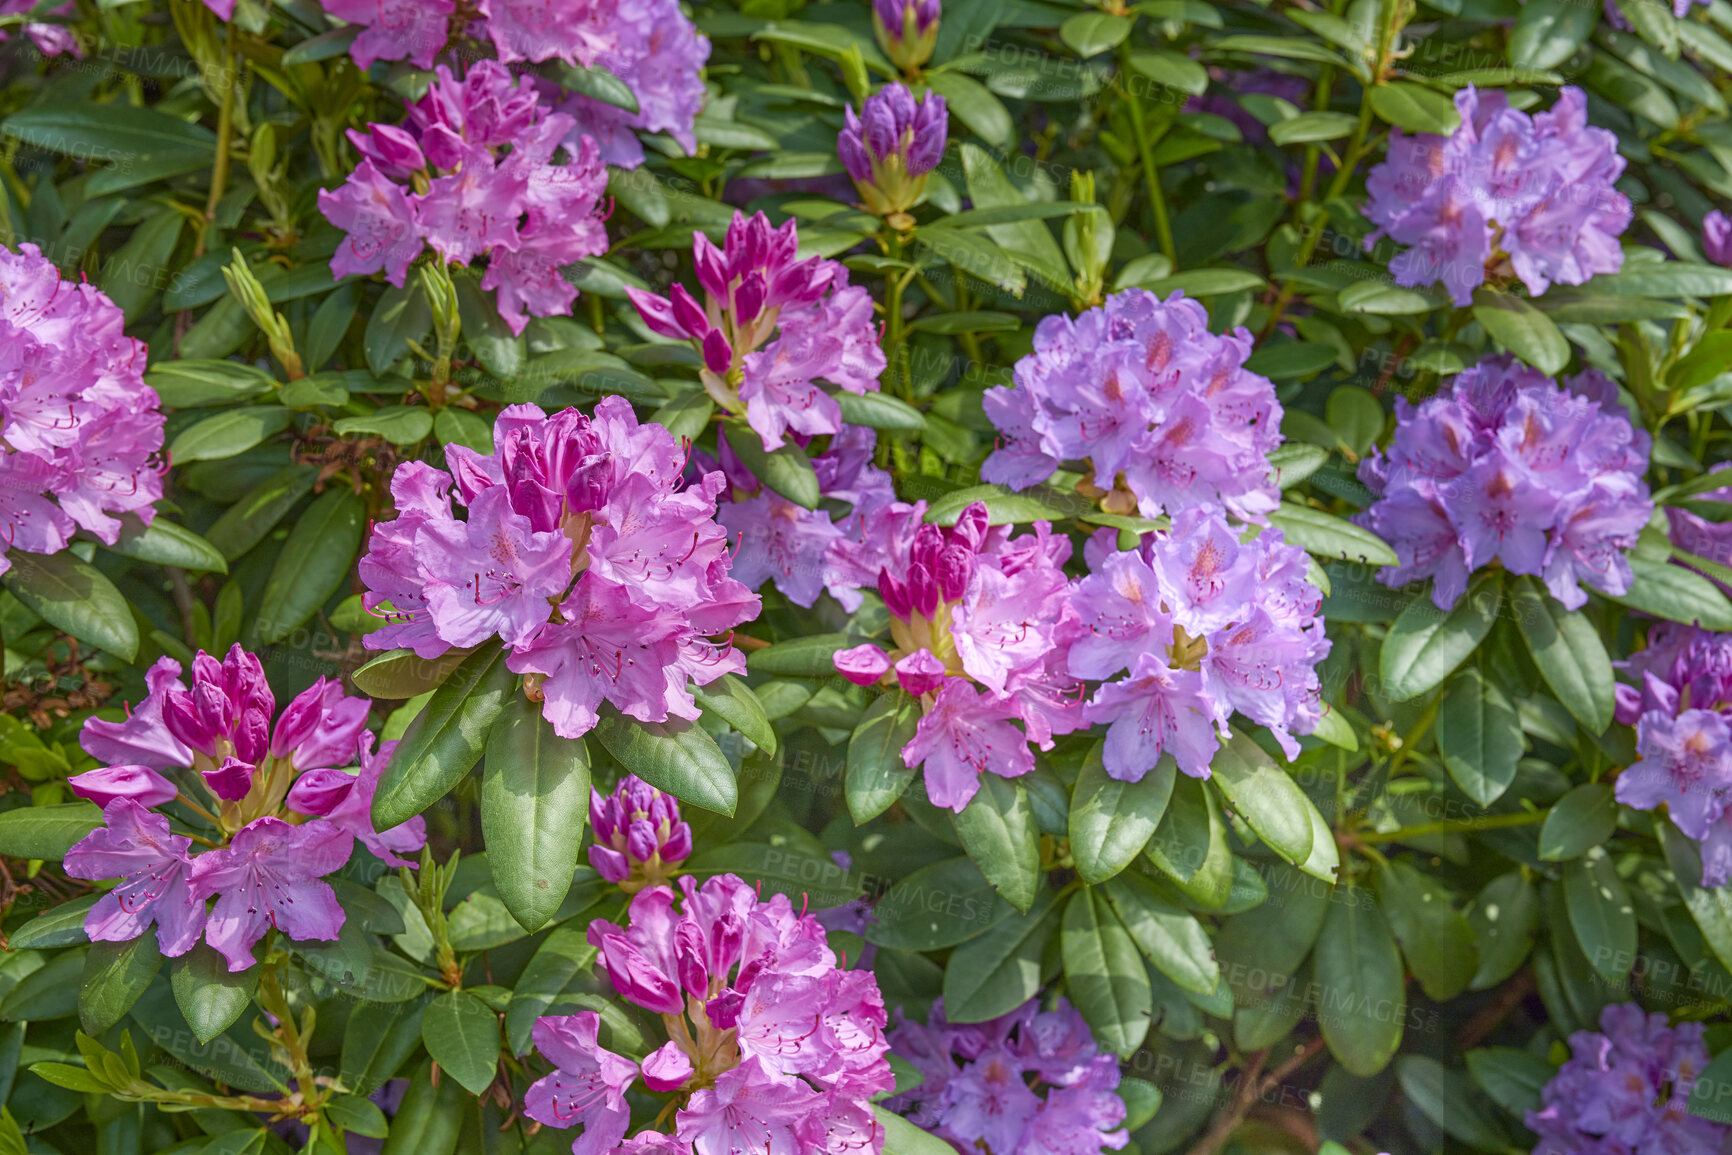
(880, 578)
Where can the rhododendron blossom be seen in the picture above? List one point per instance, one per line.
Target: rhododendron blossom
(771, 1046)
(1031, 1082)
(580, 550)
(980, 622)
(282, 810)
(771, 328)
(639, 838)
(1505, 466)
(1163, 410)
(890, 147)
(449, 184)
(1189, 628)
(1505, 195)
(80, 429)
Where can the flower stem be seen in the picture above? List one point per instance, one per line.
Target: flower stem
(1151, 174)
(1455, 826)
(219, 173)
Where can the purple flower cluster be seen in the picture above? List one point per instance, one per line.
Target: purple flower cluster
(1164, 410)
(1505, 466)
(771, 328)
(803, 551)
(1693, 533)
(80, 429)
(907, 30)
(50, 39)
(1681, 705)
(580, 551)
(1532, 195)
(980, 622)
(639, 837)
(1193, 625)
(267, 866)
(447, 183)
(1717, 238)
(1625, 1090)
(656, 50)
(772, 1046)
(890, 147)
(1031, 1082)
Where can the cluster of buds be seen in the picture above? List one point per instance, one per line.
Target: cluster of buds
(640, 840)
(890, 147)
(907, 30)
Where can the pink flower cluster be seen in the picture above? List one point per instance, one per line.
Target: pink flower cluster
(981, 622)
(448, 184)
(771, 328)
(1505, 466)
(639, 838)
(1031, 1082)
(1680, 702)
(1533, 191)
(1191, 626)
(80, 428)
(266, 870)
(50, 39)
(1626, 1089)
(1164, 410)
(579, 550)
(804, 551)
(772, 1046)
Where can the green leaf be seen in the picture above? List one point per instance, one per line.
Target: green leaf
(49, 993)
(951, 323)
(973, 254)
(166, 543)
(401, 316)
(1276, 935)
(876, 775)
(674, 756)
(1326, 535)
(1578, 822)
(880, 410)
(1358, 970)
(598, 83)
(1106, 980)
(462, 1036)
(1568, 651)
(245, 523)
(971, 103)
(355, 1115)
(314, 563)
(1435, 937)
(1382, 299)
(1190, 845)
(1601, 914)
(732, 700)
(211, 998)
(233, 431)
(1522, 329)
(1173, 69)
(61, 925)
(1667, 279)
(72, 595)
(1415, 108)
(1002, 506)
(534, 803)
(401, 674)
(460, 427)
(1503, 918)
(1712, 909)
(998, 830)
(561, 957)
(1676, 594)
(446, 740)
(1111, 821)
(115, 974)
(1443, 1096)
(47, 832)
(1206, 282)
(1170, 938)
(686, 416)
(1548, 32)
(398, 424)
(808, 657)
(1265, 796)
(190, 384)
(903, 1138)
(1512, 1078)
(936, 907)
(994, 973)
(1312, 127)
(116, 131)
(1426, 644)
(786, 470)
(1289, 360)
(1092, 33)
(429, 1121)
(1479, 735)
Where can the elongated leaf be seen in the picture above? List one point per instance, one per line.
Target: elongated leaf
(1329, 536)
(315, 561)
(115, 974)
(1362, 1003)
(1190, 845)
(210, 996)
(1523, 330)
(998, 830)
(446, 740)
(1675, 593)
(674, 756)
(1111, 821)
(1578, 822)
(1265, 796)
(462, 1036)
(732, 700)
(72, 595)
(1435, 937)
(61, 925)
(245, 523)
(1548, 32)
(1105, 977)
(1568, 651)
(936, 907)
(785, 470)
(1601, 914)
(534, 803)
(228, 433)
(1170, 938)
(46, 831)
(877, 775)
(999, 970)
(808, 657)
(400, 674)
(1425, 644)
(1712, 909)
(1479, 735)
(166, 543)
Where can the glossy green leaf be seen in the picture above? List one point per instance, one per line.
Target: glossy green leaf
(1111, 821)
(675, 756)
(1104, 975)
(998, 830)
(445, 740)
(72, 595)
(315, 561)
(1425, 645)
(534, 807)
(1569, 653)
(877, 776)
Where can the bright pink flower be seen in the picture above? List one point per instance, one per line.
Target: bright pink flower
(140, 784)
(346, 801)
(269, 876)
(384, 232)
(587, 1086)
(136, 846)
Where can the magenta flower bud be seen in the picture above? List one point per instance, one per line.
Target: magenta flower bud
(894, 594)
(690, 960)
(141, 784)
(658, 313)
(920, 673)
(907, 30)
(890, 147)
(231, 780)
(1717, 238)
(863, 664)
(718, 354)
(394, 152)
(749, 297)
(971, 526)
(711, 264)
(300, 719)
(955, 565)
(639, 837)
(688, 313)
(667, 1068)
(923, 596)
